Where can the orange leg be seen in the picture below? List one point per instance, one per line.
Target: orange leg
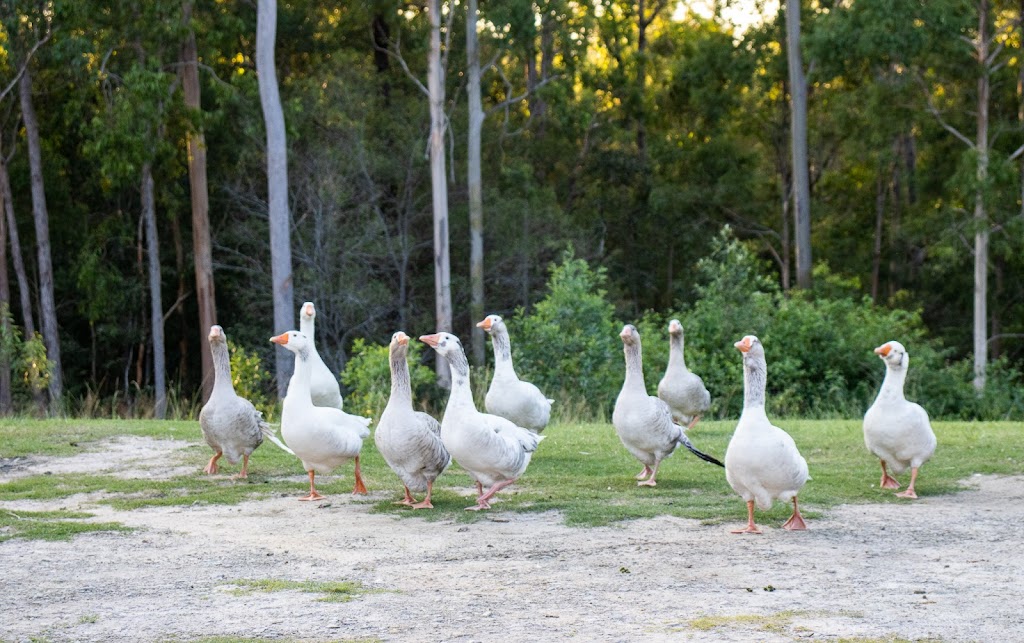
(244, 473)
(211, 466)
(643, 474)
(650, 481)
(313, 493)
(751, 527)
(360, 487)
(694, 421)
(796, 521)
(408, 500)
(909, 493)
(481, 502)
(888, 482)
(426, 501)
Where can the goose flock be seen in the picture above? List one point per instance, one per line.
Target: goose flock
(762, 462)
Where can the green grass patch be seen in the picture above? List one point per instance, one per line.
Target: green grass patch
(331, 591)
(50, 525)
(580, 470)
(775, 623)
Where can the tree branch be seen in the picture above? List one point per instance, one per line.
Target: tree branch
(24, 65)
(397, 55)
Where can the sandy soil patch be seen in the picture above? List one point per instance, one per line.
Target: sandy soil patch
(945, 568)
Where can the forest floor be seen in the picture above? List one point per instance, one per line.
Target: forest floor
(946, 568)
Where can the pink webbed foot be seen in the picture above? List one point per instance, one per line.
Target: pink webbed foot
(751, 529)
(888, 482)
(647, 483)
(481, 504)
(211, 466)
(644, 474)
(408, 500)
(796, 521)
(423, 505)
(909, 493)
(313, 495)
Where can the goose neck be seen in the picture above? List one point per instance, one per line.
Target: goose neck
(502, 353)
(755, 378)
(634, 368)
(675, 352)
(892, 385)
(221, 367)
(298, 386)
(461, 393)
(401, 389)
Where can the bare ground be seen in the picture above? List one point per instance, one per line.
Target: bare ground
(947, 568)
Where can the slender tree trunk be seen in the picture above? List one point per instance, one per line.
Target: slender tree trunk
(156, 309)
(1020, 92)
(801, 177)
(475, 183)
(442, 262)
(876, 254)
(201, 244)
(980, 212)
(6, 402)
(48, 308)
(277, 184)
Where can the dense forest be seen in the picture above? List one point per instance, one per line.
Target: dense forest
(645, 148)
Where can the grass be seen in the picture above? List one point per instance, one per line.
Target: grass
(50, 525)
(580, 470)
(331, 591)
(781, 623)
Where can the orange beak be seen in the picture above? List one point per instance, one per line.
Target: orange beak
(743, 345)
(308, 310)
(626, 333)
(215, 332)
(883, 350)
(431, 340)
(281, 339)
(485, 324)
(402, 338)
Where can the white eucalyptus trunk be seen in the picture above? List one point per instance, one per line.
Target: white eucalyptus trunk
(156, 308)
(442, 262)
(980, 212)
(798, 130)
(475, 183)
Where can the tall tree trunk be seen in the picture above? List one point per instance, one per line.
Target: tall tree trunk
(980, 212)
(277, 184)
(1020, 91)
(442, 262)
(48, 308)
(6, 403)
(801, 176)
(475, 183)
(201, 244)
(156, 309)
(876, 253)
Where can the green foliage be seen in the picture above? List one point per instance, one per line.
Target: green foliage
(331, 591)
(367, 375)
(249, 378)
(568, 343)
(34, 366)
(50, 525)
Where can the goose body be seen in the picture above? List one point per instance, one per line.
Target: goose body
(409, 440)
(324, 389)
(508, 396)
(231, 425)
(322, 437)
(644, 422)
(762, 462)
(897, 431)
(681, 389)
(493, 450)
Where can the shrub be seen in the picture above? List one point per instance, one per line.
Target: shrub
(367, 375)
(250, 379)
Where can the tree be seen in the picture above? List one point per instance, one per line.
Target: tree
(474, 183)
(798, 130)
(277, 183)
(155, 296)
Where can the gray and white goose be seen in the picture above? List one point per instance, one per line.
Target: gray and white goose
(896, 430)
(231, 425)
(493, 450)
(409, 440)
(644, 422)
(682, 390)
(323, 385)
(508, 396)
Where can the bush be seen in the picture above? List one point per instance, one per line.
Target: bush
(367, 375)
(250, 379)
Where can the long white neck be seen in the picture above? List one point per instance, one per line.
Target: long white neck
(461, 393)
(755, 378)
(502, 353)
(221, 367)
(401, 390)
(892, 385)
(307, 326)
(675, 352)
(634, 369)
(298, 387)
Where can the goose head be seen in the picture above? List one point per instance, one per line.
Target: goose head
(308, 312)
(675, 328)
(751, 348)
(399, 344)
(294, 341)
(444, 343)
(630, 336)
(893, 354)
(491, 323)
(217, 335)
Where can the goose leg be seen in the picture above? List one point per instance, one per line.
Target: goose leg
(426, 501)
(481, 502)
(313, 493)
(408, 499)
(909, 493)
(888, 482)
(796, 521)
(360, 487)
(479, 489)
(211, 466)
(751, 527)
(244, 473)
(650, 481)
(643, 474)
(694, 421)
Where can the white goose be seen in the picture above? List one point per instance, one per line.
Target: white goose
(409, 440)
(682, 389)
(231, 425)
(492, 449)
(508, 396)
(322, 437)
(323, 385)
(762, 463)
(895, 430)
(644, 422)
